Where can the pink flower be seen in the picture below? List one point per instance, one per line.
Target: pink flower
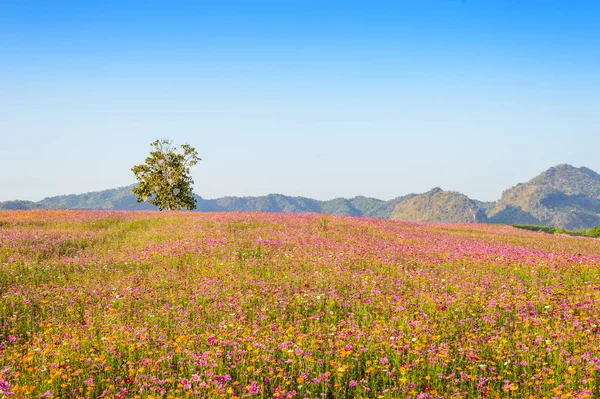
(253, 388)
(212, 340)
(352, 383)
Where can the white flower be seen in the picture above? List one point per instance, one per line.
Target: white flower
(176, 191)
(161, 161)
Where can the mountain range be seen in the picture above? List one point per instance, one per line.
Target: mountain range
(122, 199)
(563, 196)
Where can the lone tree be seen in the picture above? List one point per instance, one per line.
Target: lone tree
(164, 179)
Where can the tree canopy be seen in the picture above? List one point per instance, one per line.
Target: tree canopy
(164, 178)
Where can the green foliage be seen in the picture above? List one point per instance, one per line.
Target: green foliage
(534, 227)
(164, 179)
(593, 232)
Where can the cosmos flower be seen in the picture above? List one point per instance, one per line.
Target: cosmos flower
(121, 303)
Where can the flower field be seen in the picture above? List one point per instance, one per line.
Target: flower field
(102, 304)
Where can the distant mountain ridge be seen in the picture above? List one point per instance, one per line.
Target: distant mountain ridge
(123, 199)
(562, 196)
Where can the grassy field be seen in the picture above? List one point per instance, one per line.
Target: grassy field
(98, 304)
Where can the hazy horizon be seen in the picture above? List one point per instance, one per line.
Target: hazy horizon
(308, 99)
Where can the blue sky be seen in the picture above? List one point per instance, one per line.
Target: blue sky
(313, 98)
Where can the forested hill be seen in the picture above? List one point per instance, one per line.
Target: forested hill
(122, 199)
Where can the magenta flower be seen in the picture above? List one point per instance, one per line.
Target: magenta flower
(253, 388)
